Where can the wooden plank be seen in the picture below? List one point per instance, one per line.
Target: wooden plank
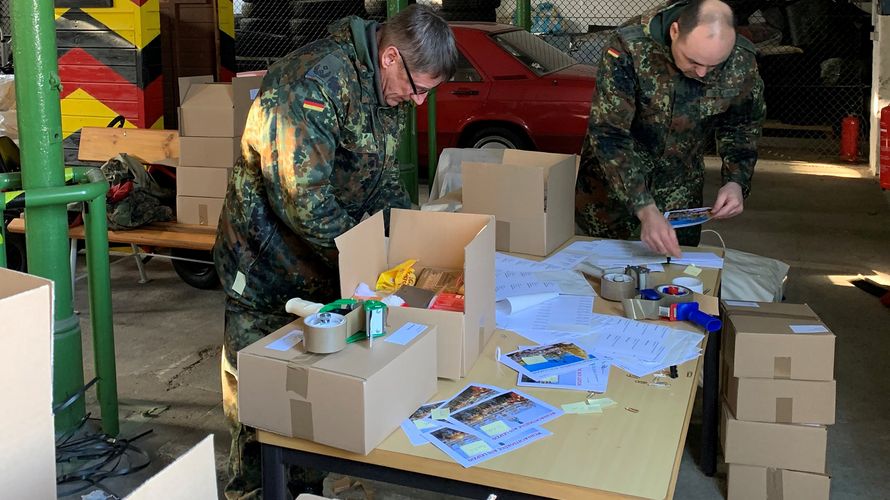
(162, 234)
(148, 145)
(619, 453)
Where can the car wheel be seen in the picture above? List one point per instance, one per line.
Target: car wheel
(196, 274)
(16, 254)
(499, 138)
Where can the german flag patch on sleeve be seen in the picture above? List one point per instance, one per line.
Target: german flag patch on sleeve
(313, 105)
(614, 53)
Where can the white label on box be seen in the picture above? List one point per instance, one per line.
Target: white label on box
(253, 93)
(808, 328)
(287, 342)
(741, 303)
(404, 335)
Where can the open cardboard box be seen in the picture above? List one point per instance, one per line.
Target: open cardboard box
(531, 194)
(217, 152)
(209, 109)
(352, 399)
(28, 469)
(435, 239)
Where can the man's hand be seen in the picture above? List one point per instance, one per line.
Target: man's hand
(657, 232)
(729, 203)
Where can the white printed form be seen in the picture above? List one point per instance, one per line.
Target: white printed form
(566, 313)
(514, 283)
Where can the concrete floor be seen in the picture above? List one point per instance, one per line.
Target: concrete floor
(830, 223)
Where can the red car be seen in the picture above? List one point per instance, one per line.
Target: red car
(511, 90)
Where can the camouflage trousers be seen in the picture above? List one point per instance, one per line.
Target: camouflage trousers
(243, 326)
(603, 213)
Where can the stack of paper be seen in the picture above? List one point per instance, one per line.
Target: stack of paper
(481, 422)
(700, 259)
(639, 348)
(562, 317)
(511, 283)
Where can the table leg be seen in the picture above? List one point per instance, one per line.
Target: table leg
(274, 473)
(710, 405)
(143, 278)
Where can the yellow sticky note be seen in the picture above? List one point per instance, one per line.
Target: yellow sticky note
(440, 413)
(495, 428)
(534, 360)
(574, 407)
(424, 424)
(476, 448)
(692, 270)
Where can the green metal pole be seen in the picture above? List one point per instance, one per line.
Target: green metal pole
(407, 153)
(37, 87)
(96, 230)
(432, 161)
(524, 14)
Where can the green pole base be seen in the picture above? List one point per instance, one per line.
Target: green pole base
(68, 373)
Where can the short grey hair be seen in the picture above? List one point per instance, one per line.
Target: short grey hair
(424, 39)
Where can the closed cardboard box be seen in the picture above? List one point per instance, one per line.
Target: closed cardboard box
(208, 109)
(532, 196)
(747, 482)
(438, 240)
(202, 182)
(782, 401)
(218, 152)
(352, 399)
(28, 468)
(198, 210)
(777, 340)
(799, 447)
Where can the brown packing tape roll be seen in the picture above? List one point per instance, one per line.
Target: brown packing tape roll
(618, 287)
(684, 294)
(325, 333)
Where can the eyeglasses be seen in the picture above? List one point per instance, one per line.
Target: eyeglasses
(414, 90)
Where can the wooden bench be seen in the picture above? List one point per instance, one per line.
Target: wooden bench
(99, 144)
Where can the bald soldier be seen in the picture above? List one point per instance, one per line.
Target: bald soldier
(668, 79)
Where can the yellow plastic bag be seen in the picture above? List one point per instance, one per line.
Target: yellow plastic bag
(403, 274)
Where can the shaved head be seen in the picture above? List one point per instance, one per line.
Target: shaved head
(703, 37)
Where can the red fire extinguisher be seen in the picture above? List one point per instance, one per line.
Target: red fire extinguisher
(850, 138)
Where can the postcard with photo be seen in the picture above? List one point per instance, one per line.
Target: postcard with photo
(688, 216)
(470, 395)
(544, 360)
(469, 449)
(591, 378)
(420, 421)
(499, 417)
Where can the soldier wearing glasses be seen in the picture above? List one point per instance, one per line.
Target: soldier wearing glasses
(318, 152)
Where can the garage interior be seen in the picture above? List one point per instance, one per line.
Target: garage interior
(825, 217)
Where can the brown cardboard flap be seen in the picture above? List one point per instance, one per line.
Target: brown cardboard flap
(362, 254)
(560, 207)
(782, 367)
(774, 489)
(185, 82)
(519, 193)
(438, 239)
(784, 410)
(502, 240)
(301, 419)
(708, 304)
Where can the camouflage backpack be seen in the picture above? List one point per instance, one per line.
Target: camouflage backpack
(134, 197)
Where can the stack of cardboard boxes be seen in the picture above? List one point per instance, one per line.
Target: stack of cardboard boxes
(779, 390)
(211, 120)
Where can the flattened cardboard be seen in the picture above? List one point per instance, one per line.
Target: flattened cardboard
(352, 399)
(210, 109)
(202, 211)
(747, 482)
(202, 182)
(435, 239)
(530, 194)
(26, 368)
(217, 152)
(781, 446)
(760, 343)
(781, 401)
(191, 476)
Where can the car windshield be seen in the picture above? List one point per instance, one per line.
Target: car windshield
(538, 55)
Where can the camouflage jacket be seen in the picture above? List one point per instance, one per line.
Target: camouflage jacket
(648, 121)
(318, 152)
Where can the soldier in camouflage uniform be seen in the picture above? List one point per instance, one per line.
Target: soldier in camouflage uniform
(667, 79)
(318, 153)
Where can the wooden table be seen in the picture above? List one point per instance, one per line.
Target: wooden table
(632, 450)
